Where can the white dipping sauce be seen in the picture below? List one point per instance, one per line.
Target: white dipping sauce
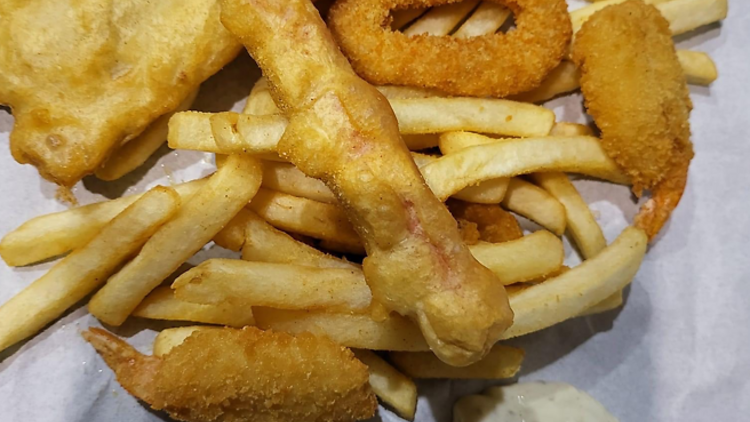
(531, 402)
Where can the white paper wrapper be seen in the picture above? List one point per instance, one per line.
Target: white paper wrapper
(678, 350)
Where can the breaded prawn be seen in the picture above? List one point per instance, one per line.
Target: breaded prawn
(226, 374)
(636, 91)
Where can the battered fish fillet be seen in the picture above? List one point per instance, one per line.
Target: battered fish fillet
(343, 131)
(636, 92)
(226, 374)
(83, 77)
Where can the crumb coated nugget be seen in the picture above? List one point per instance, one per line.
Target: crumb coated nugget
(84, 77)
(226, 374)
(493, 224)
(497, 64)
(636, 91)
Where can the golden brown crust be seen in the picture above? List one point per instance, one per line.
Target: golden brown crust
(636, 91)
(84, 77)
(226, 374)
(498, 64)
(493, 224)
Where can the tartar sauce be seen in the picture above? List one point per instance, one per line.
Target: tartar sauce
(531, 402)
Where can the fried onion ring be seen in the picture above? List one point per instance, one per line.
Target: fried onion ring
(497, 65)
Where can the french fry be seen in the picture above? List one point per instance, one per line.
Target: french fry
(162, 304)
(136, 151)
(487, 18)
(708, 8)
(440, 20)
(686, 15)
(260, 102)
(571, 129)
(359, 331)
(305, 216)
(528, 258)
(52, 235)
(562, 79)
(699, 68)
(581, 223)
(573, 292)
(397, 92)
(582, 154)
(287, 178)
(85, 269)
(536, 204)
(608, 304)
(264, 243)
(501, 117)
(199, 219)
(232, 236)
(282, 286)
(391, 386)
(170, 338)
(501, 362)
(451, 144)
(404, 16)
(487, 192)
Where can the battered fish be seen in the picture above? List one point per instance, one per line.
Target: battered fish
(636, 92)
(342, 130)
(83, 77)
(226, 374)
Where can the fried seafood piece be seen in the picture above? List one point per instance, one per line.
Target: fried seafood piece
(343, 131)
(84, 77)
(494, 224)
(496, 64)
(227, 374)
(635, 90)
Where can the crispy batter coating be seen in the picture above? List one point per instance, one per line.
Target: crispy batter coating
(342, 131)
(84, 77)
(226, 374)
(493, 224)
(636, 91)
(497, 64)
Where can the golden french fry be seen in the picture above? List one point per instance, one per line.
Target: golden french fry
(528, 258)
(170, 338)
(608, 304)
(487, 192)
(264, 243)
(451, 144)
(699, 68)
(391, 386)
(581, 223)
(287, 178)
(394, 92)
(305, 216)
(52, 235)
(711, 11)
(232, 236)
(136, 151)
(440, 20)
(486, 19)
(501, 362)
(571, 129)
(162, 304)
(581, 154)
(573, 292)
(485, 115)
(561, 80)
(199, 219)
(260, 102)
(686, 15)
(282, 286)
(85, 269)
(360, 331)
(536, 204)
